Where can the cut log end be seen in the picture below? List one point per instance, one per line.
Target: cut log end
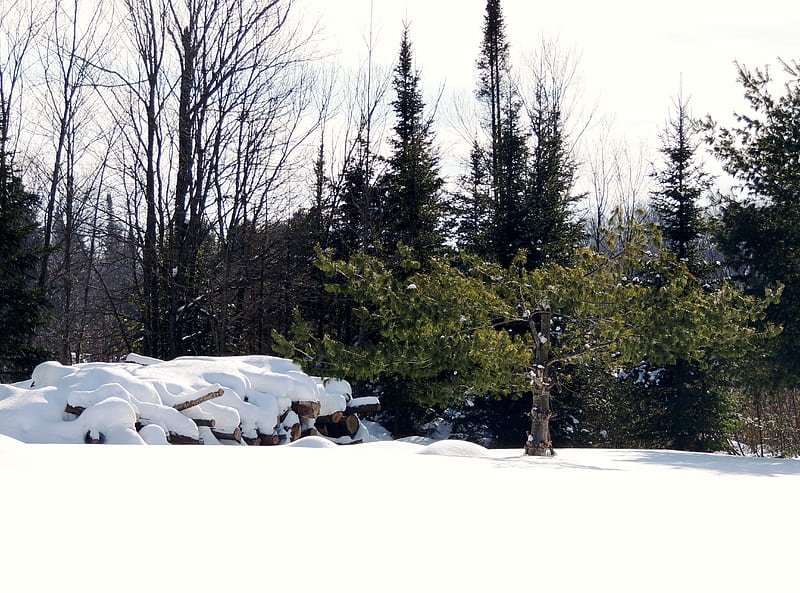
(269, 440)
(306, 409)
(236, 435)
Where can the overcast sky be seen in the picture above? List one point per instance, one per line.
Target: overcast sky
(632, 54)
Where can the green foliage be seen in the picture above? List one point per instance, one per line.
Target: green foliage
(414, 203)
(21, 303)
(469, 327)
(517, 194)
(437, 325)
(759, 233)
(682, 183)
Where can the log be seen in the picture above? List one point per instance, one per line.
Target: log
(77, 410)
(309, 432)
(236, 435)
(352, 424)
(198, 400)
(363, 405)
(90, 439)
(330, 418)
(253, 442)
(322, 429)
(295, 432)
(269, 439)
(306, 409)
(182, 439)
(347, 427)
(209, 422)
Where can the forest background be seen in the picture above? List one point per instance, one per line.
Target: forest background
(197, 178)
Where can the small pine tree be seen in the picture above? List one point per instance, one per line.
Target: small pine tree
(682, 183)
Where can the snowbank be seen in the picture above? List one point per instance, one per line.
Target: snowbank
(198, 400)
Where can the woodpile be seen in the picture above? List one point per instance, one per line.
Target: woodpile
(252, 400)
(301, 419)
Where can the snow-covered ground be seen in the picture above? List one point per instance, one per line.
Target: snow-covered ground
(382, 516)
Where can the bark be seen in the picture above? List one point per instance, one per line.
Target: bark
(198, 400)
(182, 439)
(94, 437)
(347, 427)
(539, 442)
(363, 405)
(209, 422)
(76, 410)
(236, 435)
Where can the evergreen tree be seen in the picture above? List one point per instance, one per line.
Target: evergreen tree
(531, 168)
(551, 230)
(414, 203)
(759, 233)
(438, 326)
(681, 185)
(472, 203)
(361, 217)
(21, 303)
(687, 408)
(508, 151)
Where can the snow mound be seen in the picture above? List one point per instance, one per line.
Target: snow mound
(314, 442)
(452, 448)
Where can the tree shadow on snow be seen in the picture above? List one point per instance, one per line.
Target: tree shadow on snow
(717, 463)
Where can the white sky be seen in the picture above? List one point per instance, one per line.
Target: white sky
(633, 54)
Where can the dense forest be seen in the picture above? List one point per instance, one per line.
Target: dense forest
(182, 177)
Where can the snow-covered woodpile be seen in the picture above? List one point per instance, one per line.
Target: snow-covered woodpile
(247, 400)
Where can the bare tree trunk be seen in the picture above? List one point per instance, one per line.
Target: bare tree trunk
(539, 441)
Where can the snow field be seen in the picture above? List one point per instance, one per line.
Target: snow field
(382, 517)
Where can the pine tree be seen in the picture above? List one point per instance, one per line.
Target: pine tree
(361, 216)
(759, 233)
(552, 231)
(508, 151)
(414, 203)
(682, 183)
(21, 303)
(472, 207)
(688, 408)
(531, 167)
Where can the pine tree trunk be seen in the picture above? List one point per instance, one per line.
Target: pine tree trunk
(538, 441)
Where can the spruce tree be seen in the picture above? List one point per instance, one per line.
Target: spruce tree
(531, 167)
(759, 232)
(508, 151)
(681, 184)
(686, 408)
(414, 203)
(21, 303)
(552, 232)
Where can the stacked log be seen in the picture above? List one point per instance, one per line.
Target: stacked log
(303, 418)
(363, 406)
(347, 425)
